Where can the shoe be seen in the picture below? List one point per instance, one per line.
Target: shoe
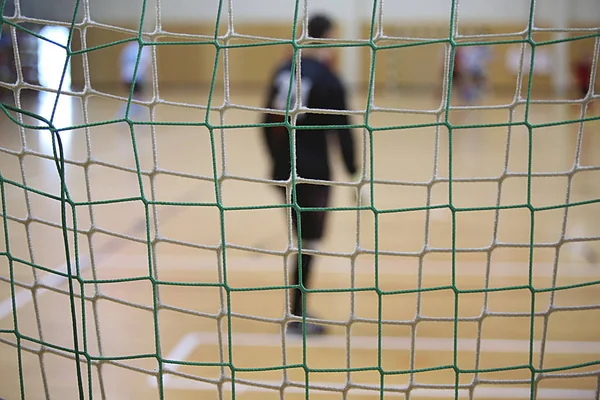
(295, 328)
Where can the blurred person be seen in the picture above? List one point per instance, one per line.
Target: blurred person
(470, 72)
(7, 65)
(320, 88)
(582, 71)
(128, 60)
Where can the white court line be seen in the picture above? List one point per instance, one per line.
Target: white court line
(195, 339)
(496, 392)
(336, 265)
(25, 296)
(192, 341)
(181, 351)
(266, 264)
(397, 343)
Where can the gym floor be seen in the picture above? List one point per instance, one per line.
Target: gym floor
(191, 323)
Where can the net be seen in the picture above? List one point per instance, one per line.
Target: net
(425, 312)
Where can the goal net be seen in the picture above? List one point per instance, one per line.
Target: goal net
(145, 254)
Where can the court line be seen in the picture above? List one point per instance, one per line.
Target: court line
(387, 343)
(404, 343)
(181, 351)
(496, 392)
(25, 296)
(193, 340)
(338, 265)
(335, 266)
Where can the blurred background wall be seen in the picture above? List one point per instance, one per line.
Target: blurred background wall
(416, 67)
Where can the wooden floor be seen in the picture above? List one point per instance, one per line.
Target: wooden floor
(122, 334)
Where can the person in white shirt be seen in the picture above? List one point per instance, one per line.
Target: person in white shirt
(129, 58)
(470, 66)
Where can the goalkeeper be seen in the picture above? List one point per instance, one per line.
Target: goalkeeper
(320, 88)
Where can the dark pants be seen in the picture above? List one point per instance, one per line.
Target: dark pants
(138, 88)
(312, 223)
(312, 227)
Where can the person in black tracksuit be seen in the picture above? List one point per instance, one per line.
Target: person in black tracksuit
(320, 89)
